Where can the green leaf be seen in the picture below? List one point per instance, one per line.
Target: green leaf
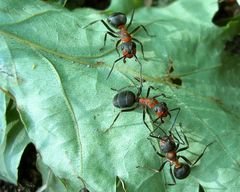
(124, 6)
(3, 125)
(14, 141)
(50, 182)
(56, 73)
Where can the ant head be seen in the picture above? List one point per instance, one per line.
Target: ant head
(128, 49)
(167, 144)
(161, 109)
(183, 171)
(117, 19)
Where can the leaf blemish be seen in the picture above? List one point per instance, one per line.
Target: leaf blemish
(176, 81)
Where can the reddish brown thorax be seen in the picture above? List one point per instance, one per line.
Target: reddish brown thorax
(172, 157)
(124, 35)
(148, 102)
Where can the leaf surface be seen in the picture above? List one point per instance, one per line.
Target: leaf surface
(56, 73)
(14, 140)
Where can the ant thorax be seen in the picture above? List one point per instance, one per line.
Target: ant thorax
(149, 102)
(171, 156)
(124, 35)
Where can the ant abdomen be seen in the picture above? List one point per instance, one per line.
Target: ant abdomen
(117, 19)
(183, 171)
(124, 99)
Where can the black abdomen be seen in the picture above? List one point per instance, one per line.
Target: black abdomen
(124, 99)
(182, 172)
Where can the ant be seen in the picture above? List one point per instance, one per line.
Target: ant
(227, 9)
(128, 101)
(170, 148)
(118, 20)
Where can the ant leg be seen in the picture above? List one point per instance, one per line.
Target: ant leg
(178, 111)
(186, 141)
(115, 119)
(109, 28)
(116, 47)
(93, 22)
(156, 96)
(149, 89)
(144, 28)
(141, 79)
(141, 47)
(155, 170)
(105, 38)
(139, 91)
(119, 90)
(114, 65)
(147, 110)
(104, 23)
(144, 114)
(200, 156)
(159, 95)
(173, 179)
(185, 159)
(130, 22)
(161, 168)
(182, 142)
(157, 119)
(159, 154)
(154, 136)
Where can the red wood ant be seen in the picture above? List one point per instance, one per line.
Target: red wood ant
(118, 20)
(170, 148)
(128, 101)
(227, 9)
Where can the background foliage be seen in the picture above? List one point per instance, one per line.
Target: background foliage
(56, 75)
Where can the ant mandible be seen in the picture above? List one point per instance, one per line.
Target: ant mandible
(128, 101)
(118, 20)
(170, 148)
